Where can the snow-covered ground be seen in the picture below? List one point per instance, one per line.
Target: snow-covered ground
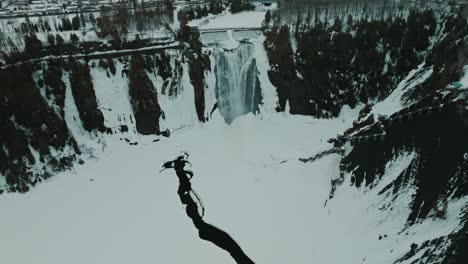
(247, 19)
(119, 209)
(464, 79)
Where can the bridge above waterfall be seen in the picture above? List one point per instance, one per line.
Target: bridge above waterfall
(243, 25)
(214, 35)
(264, 2)
(225, 29)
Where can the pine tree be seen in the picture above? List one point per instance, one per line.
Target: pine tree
(267, 17)
(51, 39)
(66, 24)
(59, 40)
(76, 23)
(33, 46)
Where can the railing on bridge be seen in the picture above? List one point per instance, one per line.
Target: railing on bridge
(265, 2)
(208, 30)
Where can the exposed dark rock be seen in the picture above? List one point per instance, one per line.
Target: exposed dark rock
(165, 133)
(197, 78)
(144, 98)
(123, 128)
(85, 97)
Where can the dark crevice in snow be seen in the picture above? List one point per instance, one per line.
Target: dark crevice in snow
(321, 155)
(337, 149)
(206, 231)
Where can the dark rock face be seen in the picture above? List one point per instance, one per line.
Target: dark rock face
(198, 64)
(253, 95)
(123, 128)
(144, 98)
(31, 126)
(85, 98)
(197, 78)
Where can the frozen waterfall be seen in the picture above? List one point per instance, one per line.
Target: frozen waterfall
(237, 85)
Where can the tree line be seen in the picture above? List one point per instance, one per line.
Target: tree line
(345, 62)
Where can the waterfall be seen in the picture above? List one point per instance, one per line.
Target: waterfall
(237, 85)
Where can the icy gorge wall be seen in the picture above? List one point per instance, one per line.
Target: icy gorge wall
(35, 139)
(74, 104)
(52, 110)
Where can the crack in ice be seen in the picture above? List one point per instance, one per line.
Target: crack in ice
(206, 231)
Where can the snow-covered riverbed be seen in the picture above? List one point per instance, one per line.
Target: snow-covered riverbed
(118, 208)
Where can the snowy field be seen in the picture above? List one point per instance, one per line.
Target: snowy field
(246, 19)
(118, 208)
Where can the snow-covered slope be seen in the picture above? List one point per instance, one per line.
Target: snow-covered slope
(118, 208)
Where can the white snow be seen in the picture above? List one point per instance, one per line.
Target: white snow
(113, 98)
(180, 110)
(394, 102)
(119, 209)
(247, 19)
(464, 79)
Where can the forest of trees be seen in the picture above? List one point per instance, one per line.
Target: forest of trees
(359, 60)
(307, 11)
(215, 7)
(63, 36)
(240, 5)
(29, 124)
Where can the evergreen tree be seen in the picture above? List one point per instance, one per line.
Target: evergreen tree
(337, 24)
(66, 24)
(33, 46)
(76, 23)
(51, 39)
(267, 17)
(59, 40)
(74, 38)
